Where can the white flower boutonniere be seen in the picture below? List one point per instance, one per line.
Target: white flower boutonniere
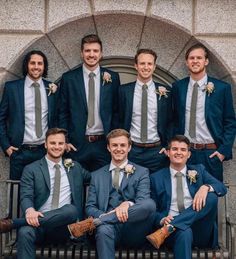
(68, 163)
(162, 91)
(209, 88)
(52, 88)
(192, 176)
(129, 169)
(106, 78)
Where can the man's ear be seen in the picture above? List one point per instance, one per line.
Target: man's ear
(189, 154)
(108, 148)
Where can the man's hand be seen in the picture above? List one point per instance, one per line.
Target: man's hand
(32, 217)
(199, 200)
(122, 211)
(166, 220)
(70, 147)
(10, 150)
(218, 154)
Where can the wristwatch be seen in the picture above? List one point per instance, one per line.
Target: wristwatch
(209, 187)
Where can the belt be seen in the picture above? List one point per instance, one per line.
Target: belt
(31, 147)
(203, 146)
(147, 145)
(94, 138)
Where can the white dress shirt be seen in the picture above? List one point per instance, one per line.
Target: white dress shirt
(29, 98)
(65, 191)
(202, 132)
(188, 200)
(97, 128)
(152, 113)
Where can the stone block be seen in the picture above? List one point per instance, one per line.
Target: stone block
(215, 16)
(67, 39)
(62, 12)
(5, 76)
(111, 6)
(167, 40)
(175, 11)
(22, 15)
(120, 33)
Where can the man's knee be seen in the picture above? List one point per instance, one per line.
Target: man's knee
(105, 230)
(27, 233)
(148, 205)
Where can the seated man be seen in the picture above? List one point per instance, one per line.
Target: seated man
(51, 197)
(186, 199)
(119, 201)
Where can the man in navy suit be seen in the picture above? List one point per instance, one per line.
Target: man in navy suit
(88, 106)
(22, 136)
(48, 209)
(145, 111)
(209, 122)
(186, 199)
(119, 201)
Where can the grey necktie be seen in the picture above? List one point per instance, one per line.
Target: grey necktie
(56, 188)
(38, 110)
(91, 99)
(193, 109)
(179, 191)
(144, 114)
(116, 177)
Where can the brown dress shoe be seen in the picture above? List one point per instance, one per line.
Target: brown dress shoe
(80, 228)
(158, 237)
(5, 225)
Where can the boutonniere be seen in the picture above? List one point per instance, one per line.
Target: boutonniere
(52, 88)
(106, 78)
(68, 163)
(209, 88)
(192, 176)
(129, 169)
(162, 91)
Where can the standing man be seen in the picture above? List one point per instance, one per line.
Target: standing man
(118, 200)
(186, 199)
(88, 106)
(27, 110)
(51, 197)
(203, 111)
(146, 112)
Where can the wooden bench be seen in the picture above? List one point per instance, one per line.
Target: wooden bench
(85, 250)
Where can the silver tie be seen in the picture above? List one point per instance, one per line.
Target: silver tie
(116, 177)
(56, 188)
(91, 99)
(193, 110)
(144, 108)
(38, 110)
(179, 191)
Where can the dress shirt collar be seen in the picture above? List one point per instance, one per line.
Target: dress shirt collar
(173, 171)
(202, 82)
(51, 164)
(122, 166)
(140, 84)
(86, 71)
(29, 81)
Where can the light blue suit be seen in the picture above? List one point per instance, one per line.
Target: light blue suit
(197, 228)
(102, 198)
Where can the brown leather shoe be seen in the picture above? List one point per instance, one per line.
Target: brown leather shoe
(5, 225)
(80, 228)
(158, 237)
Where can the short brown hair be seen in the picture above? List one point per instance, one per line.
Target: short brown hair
(91, 38)
(197, 46)
(118, 133)
(145, 51)
(179, 138)
(54, 131)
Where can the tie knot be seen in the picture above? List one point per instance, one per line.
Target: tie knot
(178, 174)
(35, 84)
(144, 87)
(91, 75)
(57, 166)
(117, 169)
(195, 85)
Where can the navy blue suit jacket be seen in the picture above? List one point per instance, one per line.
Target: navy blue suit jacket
(134, 187)
(219, 113)
(164, 116)
(12, 113)
(73, 110)
(35, 185)
(161, 188)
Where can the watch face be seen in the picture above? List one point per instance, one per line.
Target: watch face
(170, 228)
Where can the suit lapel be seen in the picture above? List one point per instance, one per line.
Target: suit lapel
(45, 171)
(49, 99)
(106, 185)
(191, 187)
(21, 94)
(167, 182)
(130, 100)
(70, 179)
(79, 81)
(159, 110)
